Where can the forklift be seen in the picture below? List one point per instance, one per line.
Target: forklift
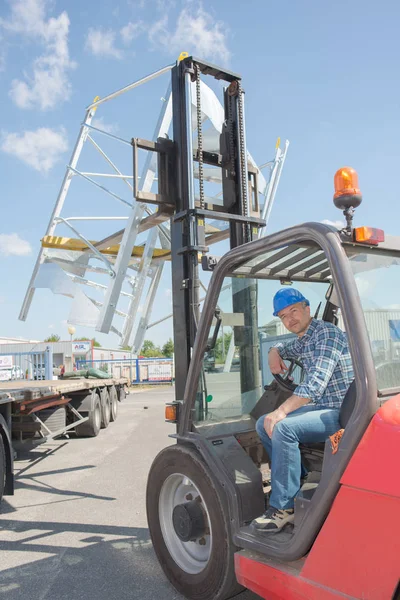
(204, 491)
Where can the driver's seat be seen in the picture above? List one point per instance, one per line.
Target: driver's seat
(312, 454)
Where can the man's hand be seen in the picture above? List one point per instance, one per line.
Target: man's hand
(276, 364)
(272, 419)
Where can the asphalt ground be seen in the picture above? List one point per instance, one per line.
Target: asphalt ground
(76, 527)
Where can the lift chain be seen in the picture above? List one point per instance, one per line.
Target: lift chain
(243, 158)
(231, 132)
(200, 138)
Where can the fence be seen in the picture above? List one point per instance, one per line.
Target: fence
(16, 366)
(136, 370)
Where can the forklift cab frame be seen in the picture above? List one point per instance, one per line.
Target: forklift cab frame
(215, 446)
(313, 512)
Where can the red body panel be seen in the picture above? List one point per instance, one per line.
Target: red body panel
(357, 552)
(274, 584)
(375, 465)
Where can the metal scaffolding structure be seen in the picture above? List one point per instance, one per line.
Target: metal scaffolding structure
(125, 267)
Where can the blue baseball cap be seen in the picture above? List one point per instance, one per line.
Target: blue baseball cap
(286, 297)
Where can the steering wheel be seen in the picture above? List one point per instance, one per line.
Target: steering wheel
(286, 381)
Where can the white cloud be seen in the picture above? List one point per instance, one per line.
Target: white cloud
(131, 31)
(108, 127)
(49, 84)
(40, 149)
(100, 42)
(13, 245)
(196, 32)
(337, 224)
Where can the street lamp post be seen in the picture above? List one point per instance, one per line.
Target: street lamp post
(71, 330)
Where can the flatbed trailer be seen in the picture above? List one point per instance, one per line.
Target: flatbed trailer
(33, 412)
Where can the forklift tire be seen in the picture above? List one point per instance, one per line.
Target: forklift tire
(2, 467)
(105, 408)
(91, 428)
(180, 484)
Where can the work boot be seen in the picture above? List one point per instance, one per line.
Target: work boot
(274, 519)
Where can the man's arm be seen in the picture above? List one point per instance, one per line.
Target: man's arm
(279, 353)
(291, 404)
(288, 349)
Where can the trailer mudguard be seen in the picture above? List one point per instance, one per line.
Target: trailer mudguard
(83, 402)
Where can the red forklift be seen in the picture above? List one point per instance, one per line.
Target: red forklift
(204, 490)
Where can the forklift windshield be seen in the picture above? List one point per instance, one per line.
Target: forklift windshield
(377, 276)
(232, 387)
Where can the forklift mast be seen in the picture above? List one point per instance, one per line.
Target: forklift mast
(239, 208)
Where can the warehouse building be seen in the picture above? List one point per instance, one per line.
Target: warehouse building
(66, 353)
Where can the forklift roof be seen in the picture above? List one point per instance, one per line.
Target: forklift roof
(307, 261)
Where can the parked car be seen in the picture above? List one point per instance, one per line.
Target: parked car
(11, 373)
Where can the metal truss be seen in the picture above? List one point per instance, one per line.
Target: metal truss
(125, 270)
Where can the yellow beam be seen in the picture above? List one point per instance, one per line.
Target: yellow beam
(76, 245)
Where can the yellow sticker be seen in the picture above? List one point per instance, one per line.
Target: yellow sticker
(97, 98)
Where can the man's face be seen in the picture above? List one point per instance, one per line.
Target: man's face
(296, 318)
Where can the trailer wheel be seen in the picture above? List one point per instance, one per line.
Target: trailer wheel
(114, 407)
(105, 408)
(189, 526)
(114, 398)
(2, 467)
(91, 428)
(121, 393)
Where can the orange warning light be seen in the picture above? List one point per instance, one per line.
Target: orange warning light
(346, 182)
(171, 413)
(368, 235)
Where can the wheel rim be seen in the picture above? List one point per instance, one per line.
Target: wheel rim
(193, 556)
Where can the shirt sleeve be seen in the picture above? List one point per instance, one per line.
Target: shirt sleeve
(288, 350)
(328, 350)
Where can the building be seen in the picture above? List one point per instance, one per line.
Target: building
(7, 340)
(383, 327)
(67, 353)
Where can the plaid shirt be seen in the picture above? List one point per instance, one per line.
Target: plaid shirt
(325, 355)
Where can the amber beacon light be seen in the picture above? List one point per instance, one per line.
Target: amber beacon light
(347, 192)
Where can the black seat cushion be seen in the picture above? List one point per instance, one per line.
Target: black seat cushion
(348, 405)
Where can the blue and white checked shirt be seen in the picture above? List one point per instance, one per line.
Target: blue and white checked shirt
(325, 355)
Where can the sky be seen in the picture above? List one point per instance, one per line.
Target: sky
(322, 75)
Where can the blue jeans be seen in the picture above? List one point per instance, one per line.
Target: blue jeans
(305, 425)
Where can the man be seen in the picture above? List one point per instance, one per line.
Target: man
(311, 414)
